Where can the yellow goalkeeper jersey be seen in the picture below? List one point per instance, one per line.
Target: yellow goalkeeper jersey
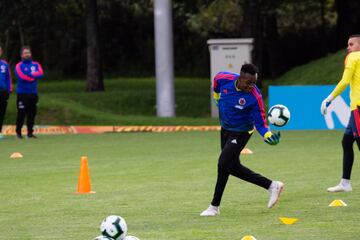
(350, 76)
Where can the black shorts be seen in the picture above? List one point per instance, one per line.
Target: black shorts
(241, 138)
(25, 100)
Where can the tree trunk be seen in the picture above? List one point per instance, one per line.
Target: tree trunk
(94, 78)
(271, 45)
(252, 28)
(19, 25)
(251, 14)
(348, 21)
(260, 23)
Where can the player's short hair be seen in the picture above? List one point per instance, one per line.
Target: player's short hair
(250, 69)
(354, 36)
(24, 48)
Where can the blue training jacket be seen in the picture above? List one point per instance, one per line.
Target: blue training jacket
(239, 111)
(5, 77)
(27, 73)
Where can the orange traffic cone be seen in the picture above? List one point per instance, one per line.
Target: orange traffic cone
(84, 185)
(246, 151)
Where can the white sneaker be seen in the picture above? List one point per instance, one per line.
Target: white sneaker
(211, 211)
(274, 191)
(340, 188)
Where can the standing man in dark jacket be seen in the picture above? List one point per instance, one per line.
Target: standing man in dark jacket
(27, 72)
(5, 89)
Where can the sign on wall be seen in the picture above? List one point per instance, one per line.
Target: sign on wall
(304, 104)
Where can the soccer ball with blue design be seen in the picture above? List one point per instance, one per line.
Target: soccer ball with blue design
(114, 227)
(279, 115)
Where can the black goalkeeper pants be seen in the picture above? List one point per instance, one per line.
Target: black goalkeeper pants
(229, 164)
(348, 154)
(4, 96)
(26, 107)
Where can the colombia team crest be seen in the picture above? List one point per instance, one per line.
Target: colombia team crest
(242, 101)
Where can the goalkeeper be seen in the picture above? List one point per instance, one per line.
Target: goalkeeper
(241, 109)
(350, 76)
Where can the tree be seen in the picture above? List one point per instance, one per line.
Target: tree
(94, 78)
(252, 28)
(348, 21)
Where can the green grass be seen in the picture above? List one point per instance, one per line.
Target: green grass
(126, 101)
(132, 101)
(327, 70)
(160, 182)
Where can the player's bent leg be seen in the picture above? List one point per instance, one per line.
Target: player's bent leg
(227, 159)
(275, 190)
(246, 174)
(211, 211)
(231, 146)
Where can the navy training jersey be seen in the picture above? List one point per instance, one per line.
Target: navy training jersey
(5, 77)
(239, 111)
(27, 73)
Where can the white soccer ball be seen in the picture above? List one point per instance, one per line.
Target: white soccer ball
(102, 238)
(114, 227)
(131, 238)
(279, 115)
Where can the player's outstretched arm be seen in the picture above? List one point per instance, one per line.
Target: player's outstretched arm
(344, 82)
(272, 138)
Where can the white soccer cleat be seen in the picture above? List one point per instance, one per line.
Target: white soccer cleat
(211, 211)
(274, 191)
(340, 188)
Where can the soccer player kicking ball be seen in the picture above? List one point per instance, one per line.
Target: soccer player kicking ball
(241, 109)
(350, 76)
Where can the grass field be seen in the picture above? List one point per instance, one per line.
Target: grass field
(132, 101)
(160, 182)
(126, 101)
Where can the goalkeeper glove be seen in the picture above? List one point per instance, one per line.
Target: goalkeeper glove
(216, 98)
(325, 104)
(273, 139)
